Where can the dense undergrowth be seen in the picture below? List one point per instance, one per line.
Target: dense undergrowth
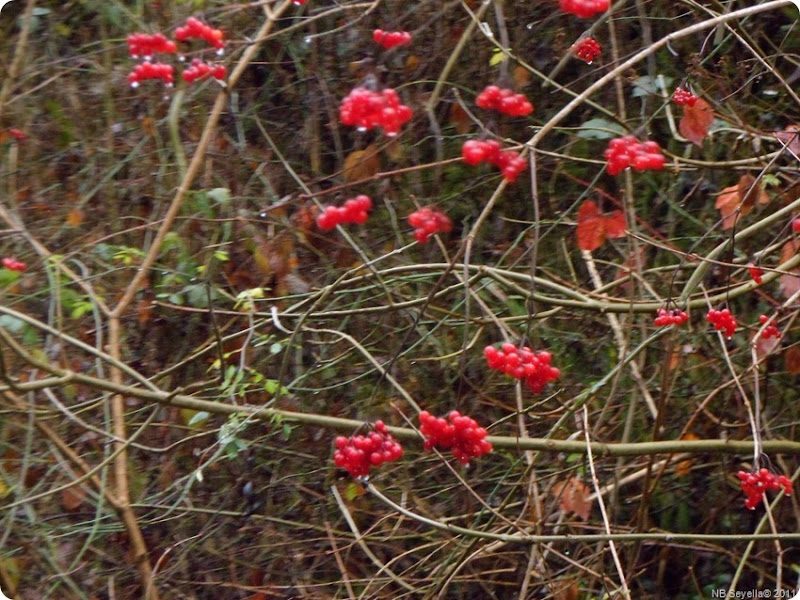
(185, 342)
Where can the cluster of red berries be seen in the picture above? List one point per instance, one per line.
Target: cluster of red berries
(770, 330)
(17, 134)
(365, 109)
(354, 211)
(627, 152)
(390, 39)
(358, 453)
(196, 29)
(722, 320)
(583, 8)
(150, 70)
(200, 70)
(462, 435)
(683, 97)
(147, 45)
(504, 100)
(12, 264)
(523, 363)
(510, 163)
(428, 221)
(670, 317)
(755, 484)
(756, 273)
(587, 49)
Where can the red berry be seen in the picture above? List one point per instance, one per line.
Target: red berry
(796, 225)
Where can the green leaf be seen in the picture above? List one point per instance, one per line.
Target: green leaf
(650, 86)
(600, 129)
(199, 418)
(220, 195)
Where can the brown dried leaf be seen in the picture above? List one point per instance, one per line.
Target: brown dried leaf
(696, 121)
(361, 164)
(789, 282)
(683, 468)
(460, 119)
(792, 358)
(739, 199)
(573, 497)
(75, 217)
(791, 137)
(521, 77)
(72, 498)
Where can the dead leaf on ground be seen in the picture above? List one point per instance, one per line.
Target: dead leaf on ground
(736, 201)
(594, 227)
(573, 497)
(696, 121)
(361, 164)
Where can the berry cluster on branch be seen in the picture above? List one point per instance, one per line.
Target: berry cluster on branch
(200, 70)
(510, 163)
(757, 273)
(359, 453)
(355, 210)
(770, 330)
(534, 368)
(627, 151)
(366, 109)
(588, 50)
(722, 320)
(391, 39)
(196, 29)
(12, 264)
(755, 484)
(670, 317)
(683, 97)
(145, 45)
(152, 70)
(504, 100)
(583, 9)
(427, 222)
(458, 433)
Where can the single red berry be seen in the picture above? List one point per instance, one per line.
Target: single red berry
(796, 225)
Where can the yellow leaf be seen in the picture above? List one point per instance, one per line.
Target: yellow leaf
(75, 217)
(498, 56)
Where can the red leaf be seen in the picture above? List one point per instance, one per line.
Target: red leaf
(594, 228)
(696, 121)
